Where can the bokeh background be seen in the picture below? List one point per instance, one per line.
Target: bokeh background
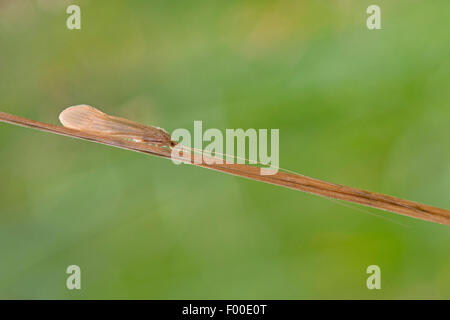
(369, 109)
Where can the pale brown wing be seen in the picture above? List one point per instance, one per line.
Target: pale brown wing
(90, 119)
(87, 118)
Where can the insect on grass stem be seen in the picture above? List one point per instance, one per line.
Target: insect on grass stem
(90, 124)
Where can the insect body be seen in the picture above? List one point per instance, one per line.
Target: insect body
(88, 119)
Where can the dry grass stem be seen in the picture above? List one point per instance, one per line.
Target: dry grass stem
(284, 179)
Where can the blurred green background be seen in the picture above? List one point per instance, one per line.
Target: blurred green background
(368, 109)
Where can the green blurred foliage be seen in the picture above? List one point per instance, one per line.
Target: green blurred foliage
(364, 108)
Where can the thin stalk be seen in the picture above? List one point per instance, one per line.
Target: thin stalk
(283, 179)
